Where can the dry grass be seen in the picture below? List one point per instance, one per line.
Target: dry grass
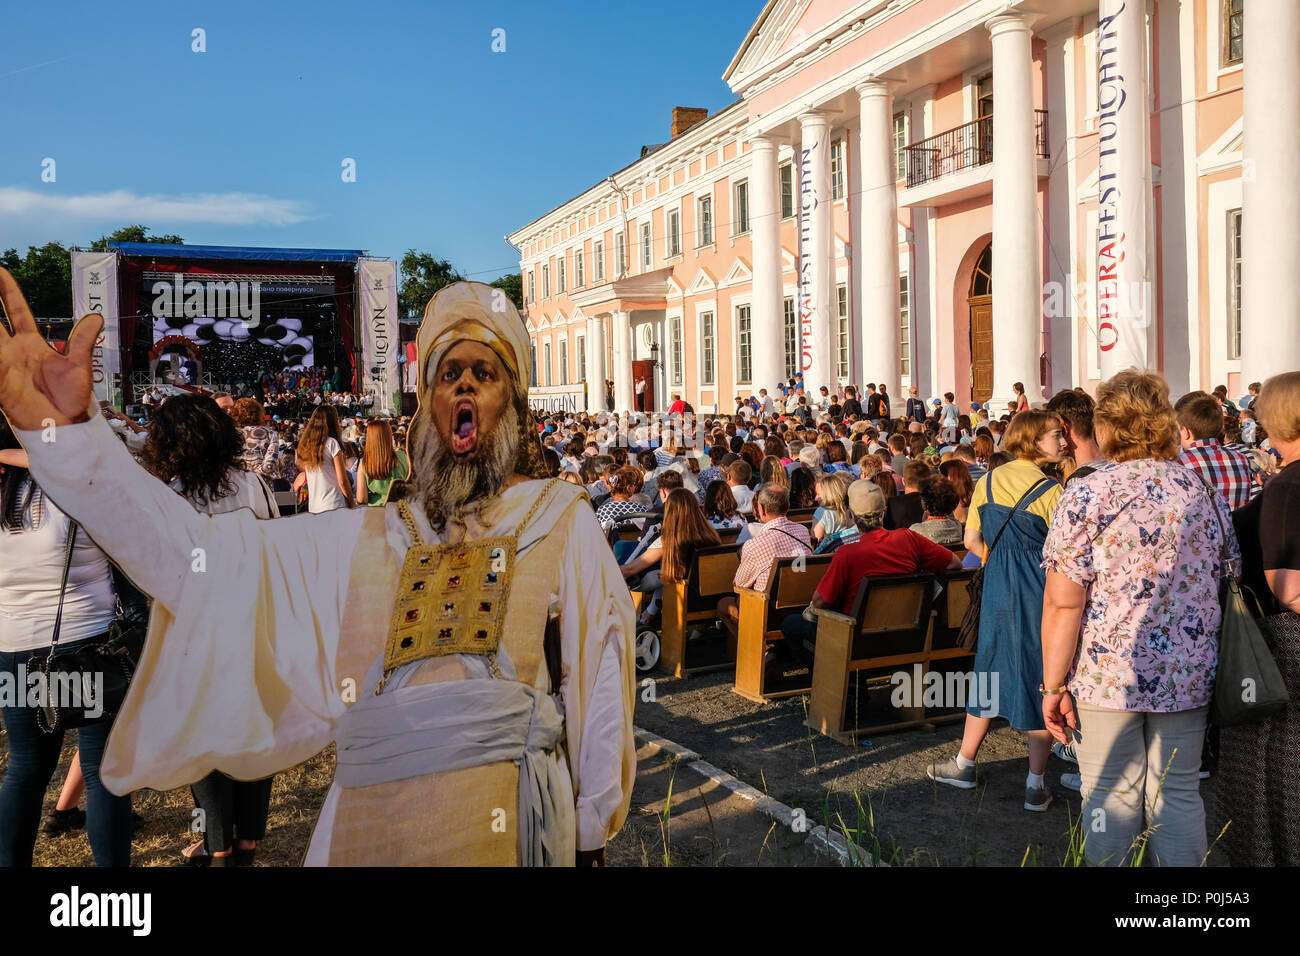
(296, 798)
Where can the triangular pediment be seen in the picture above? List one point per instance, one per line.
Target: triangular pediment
(703, 282)
(775, 31)
(1223, 153)
(674, 287)
(544, 324)
(737, 274)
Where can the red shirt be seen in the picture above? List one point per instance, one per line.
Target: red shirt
(677, 407)
(878, 553)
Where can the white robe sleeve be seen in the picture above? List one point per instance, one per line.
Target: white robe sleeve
(238, 669)
(597, 622)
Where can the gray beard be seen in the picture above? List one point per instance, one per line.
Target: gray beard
(446, 484)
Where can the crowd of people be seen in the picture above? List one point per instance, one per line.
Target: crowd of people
(1105, 527)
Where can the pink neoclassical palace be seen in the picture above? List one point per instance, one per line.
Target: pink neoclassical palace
(908, 192)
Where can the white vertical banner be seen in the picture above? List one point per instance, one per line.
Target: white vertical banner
(816, 250)
(1125, 287)
(94, 289)
(377, 313)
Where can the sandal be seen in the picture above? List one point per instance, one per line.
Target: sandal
(203, 859)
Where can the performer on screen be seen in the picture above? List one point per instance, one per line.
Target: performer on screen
(468, 647)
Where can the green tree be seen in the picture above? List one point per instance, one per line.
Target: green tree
(45, 276)
(513, 286)
(136, 233)
(421, 275)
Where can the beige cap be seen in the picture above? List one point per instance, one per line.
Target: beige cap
(866, 498)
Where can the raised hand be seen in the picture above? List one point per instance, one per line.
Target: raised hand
(39, 386)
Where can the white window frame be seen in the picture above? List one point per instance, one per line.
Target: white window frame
(1220, 36)
(900, 146)
(563, 354)
(704, 220)
(708, 331)
(794, 196)
(672, 232)
(736, 307)
(620, 255)
(532, 286)
(546, 281)
(837, 169)
(647, 245)
(598, 260)
(579, 268)
(580, 352)
(546, 361)
(740, 226)
(843, 358)
(676, 351)
(905, 326)
(559, 274)
(789, 326)
(532, 366)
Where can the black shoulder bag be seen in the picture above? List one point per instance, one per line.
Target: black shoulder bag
(970, 624)
(88, 685)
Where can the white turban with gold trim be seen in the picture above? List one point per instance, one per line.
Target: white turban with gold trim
(475, 312)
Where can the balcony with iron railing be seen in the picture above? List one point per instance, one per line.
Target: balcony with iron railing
(958, 153)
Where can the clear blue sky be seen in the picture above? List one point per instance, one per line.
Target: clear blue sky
(455, 146)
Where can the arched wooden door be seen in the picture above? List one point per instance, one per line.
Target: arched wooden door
(980, 301)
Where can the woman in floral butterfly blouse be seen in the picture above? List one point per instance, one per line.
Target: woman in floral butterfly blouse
(1130, 627)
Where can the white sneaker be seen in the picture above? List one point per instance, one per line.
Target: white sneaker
(1072, 781)
(1065, 752)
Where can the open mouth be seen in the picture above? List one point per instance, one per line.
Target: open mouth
(464, 427)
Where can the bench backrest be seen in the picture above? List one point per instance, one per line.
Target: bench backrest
(729, 535)
(951, 607)
(801, 515)
(893, 615)
(712, 575)
(791, 583)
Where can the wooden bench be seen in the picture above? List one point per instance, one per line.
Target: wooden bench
(695, 601)
(893, 630)
(802, 516)
(790, 587)
(728, 535)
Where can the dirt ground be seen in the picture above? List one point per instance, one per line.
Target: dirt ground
(877, 792)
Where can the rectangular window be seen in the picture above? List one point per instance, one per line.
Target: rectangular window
(787, 191)
(706, 348)
(674, 232)
(1232, 31)
(564, 361)
(546, 283)
(646, 250)
(837, 169)
(676, 344)
(706, 221)
(620, 254)
(579, 267)
(532, 286)
(745, 358)
(598, 260)
(791, 327)
(1234, 284)
(842, 300)
(742, 209)
(546, 362)
(559, 274)
(582, 358)
(904, 327)
(532, 364)
(900, 144)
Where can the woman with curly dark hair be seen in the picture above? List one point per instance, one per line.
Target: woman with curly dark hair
(196, 448)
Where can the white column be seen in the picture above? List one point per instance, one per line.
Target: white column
(876, 241)
(1270, 215)
(623, 398)
(596, 364)
(765, 229)
(816, 249)
(1017, 248)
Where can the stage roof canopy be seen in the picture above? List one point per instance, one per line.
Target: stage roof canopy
(169, 250)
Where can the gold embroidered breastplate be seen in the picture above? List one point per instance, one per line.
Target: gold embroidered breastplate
(451, 598)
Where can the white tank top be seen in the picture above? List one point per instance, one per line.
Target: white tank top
(31, 567)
